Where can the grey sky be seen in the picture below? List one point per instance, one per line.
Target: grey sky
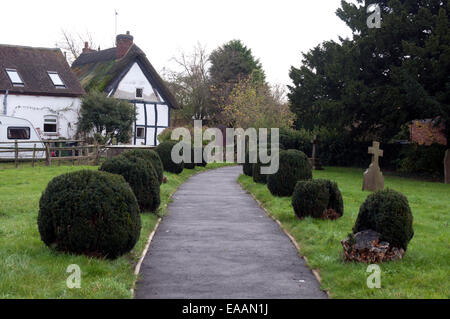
(276, 31)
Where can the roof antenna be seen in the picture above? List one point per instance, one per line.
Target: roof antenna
(115, 16)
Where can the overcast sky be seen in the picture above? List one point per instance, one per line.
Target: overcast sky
(277, 31)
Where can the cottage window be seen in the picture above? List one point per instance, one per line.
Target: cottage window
(50, 124)
(56, 79)
(139, 93)
(14, 76)
(140, 132)
(18, 133)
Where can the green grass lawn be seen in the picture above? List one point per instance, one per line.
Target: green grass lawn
(29, 269)
(425, 269)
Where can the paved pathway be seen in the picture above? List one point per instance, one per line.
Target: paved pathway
(218, 243)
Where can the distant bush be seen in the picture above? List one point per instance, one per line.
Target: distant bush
(203, 162)
(293, 166)
(141, 176)
(164, 151)
(89, 212)
(296, 140)
(318, 198)
(256, 173)
(388, 213)
(247, 166)
(148, 155)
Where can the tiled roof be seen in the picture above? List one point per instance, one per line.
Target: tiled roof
(32, 64)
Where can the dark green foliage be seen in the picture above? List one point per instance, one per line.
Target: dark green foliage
(164, 151)
(247, 166)
(203, 163)
(256, 173)
(294, 166)
(337, 148)
(388, 213)
(296, 140)
(141, 176)
(150, 156)
(89, 212)
(232, 61)
(191, 164)
(313, 198)
(379, 78)
(108, 117)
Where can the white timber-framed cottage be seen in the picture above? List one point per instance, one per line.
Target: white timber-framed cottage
(124, 72)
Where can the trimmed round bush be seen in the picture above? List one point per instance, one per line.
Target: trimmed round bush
(247, 167)
(164, 151)
(203, 163)
(388, 213)
(148, 155)
(190, 165)
(316, 198)
(89, 212)
(256, 173)
(141, 176)
(294, 167)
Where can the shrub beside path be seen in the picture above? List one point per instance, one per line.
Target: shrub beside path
(218, 243)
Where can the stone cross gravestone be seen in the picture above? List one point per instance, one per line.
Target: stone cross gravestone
(315, 161)
(447, 166)
(373, 177)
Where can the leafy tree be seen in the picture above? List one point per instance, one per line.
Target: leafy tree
(232, 61)
(382, 78)
(108, 118)
(254, 105)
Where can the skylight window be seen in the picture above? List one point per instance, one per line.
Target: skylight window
(56, 79)
(15, 78)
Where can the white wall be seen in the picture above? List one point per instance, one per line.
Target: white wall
(34, 108)
(135, 78)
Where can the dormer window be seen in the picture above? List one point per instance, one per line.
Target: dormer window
(56, 79)
(15, 78)
(139, 93)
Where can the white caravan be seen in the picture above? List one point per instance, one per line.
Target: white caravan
(14, 128)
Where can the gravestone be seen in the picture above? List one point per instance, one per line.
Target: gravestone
(315, 161)
(447, 166)
(373, 177)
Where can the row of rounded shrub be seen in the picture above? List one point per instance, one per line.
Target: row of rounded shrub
(97, 213)
(316, 198)
(385, 212)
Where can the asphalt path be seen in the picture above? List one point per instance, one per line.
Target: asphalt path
(216, 242)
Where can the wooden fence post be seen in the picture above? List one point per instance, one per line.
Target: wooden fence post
(97, 154)
(73, 155)
(34, 155)
(48, 160)
(80, 153)
(16, 153)
(59, 155)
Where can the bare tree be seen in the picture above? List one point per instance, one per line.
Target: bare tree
(191, 84)
(72, 44)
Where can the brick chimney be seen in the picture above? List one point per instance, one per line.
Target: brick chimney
(123, 44)
(87, 49)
